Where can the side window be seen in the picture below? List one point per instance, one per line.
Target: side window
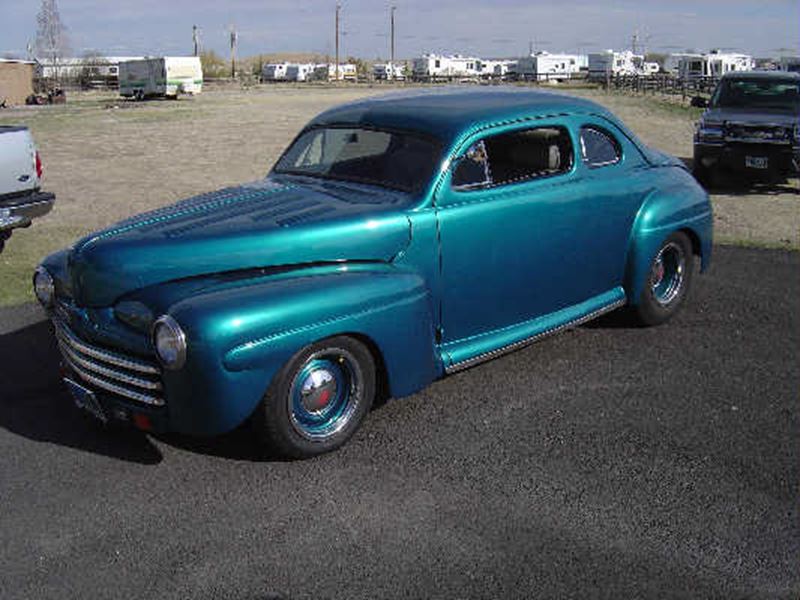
(599, 148)
(514, 157)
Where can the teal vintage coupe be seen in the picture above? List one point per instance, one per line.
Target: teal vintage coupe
(398, 239)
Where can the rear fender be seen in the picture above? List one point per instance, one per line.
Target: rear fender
(677, 204)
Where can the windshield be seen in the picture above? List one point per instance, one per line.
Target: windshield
(401, 161)
(757, 93)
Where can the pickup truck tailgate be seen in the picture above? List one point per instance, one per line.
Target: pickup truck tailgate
(17, 161)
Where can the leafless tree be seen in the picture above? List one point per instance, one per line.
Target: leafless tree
(52, 41)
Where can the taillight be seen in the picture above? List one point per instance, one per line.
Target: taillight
(39, 169)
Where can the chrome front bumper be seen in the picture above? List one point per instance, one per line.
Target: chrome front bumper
(130, 378)
(21, 210)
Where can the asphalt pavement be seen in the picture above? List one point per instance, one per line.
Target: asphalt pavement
(606, 462)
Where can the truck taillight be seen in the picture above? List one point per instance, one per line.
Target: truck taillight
(39, 169)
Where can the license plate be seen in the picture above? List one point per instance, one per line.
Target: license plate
(756, 162)
(85, 399)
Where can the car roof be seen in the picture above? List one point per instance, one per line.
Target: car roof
(762, 75)
(448, 112)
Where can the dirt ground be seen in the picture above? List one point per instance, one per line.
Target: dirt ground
(107, 159)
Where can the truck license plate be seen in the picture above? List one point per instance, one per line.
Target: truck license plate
(85, 399)
(756, 162)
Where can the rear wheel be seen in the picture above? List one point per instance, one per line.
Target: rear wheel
(668, 282)
(318, 399)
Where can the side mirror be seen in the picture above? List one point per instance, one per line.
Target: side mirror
(699, 102)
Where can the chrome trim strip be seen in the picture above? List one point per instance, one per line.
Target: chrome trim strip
(115, 389)
(72, 357)
(470, 362)
(105, 356)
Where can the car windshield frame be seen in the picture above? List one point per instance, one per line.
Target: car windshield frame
(417, 185)
(720, 98)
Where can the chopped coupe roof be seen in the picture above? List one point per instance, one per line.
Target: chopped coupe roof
(448, 112)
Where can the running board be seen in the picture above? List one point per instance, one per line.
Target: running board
(475, 360)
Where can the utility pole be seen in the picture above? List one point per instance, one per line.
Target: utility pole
(530, 48)
(195, 40)
(391, 47)
(234, 39)
(336, 70)
(635, 41)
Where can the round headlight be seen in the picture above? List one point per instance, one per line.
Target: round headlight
(44, 287)
(169, 342)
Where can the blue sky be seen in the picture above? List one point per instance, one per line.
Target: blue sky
(489, 29)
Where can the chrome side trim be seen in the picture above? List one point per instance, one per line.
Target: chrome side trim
(104, 355)
(74, 359)
(115, 389)
(471, 362)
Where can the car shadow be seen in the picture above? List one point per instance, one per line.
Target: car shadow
(34, 403)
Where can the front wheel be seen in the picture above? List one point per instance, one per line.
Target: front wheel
(318, 399)
(668, 282)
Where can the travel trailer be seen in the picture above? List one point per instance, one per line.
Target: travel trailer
(389, 71)
(543, 66)
(274, 72)
(436, 66)
(345, 72)
(610, 63)
(167, 76)
(713, 64)
(299, 71)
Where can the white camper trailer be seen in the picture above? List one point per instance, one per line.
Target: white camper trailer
(543, 66)
(389, 71)
(713, 64)
(274, 72)
(345, 72)
(610, 63)
(299, 71)
(167, 76)
(435, 66)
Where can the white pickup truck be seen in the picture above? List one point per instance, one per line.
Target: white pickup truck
(21, 200)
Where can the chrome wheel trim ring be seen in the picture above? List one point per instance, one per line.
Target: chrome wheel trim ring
(325, 393)
(668, 273)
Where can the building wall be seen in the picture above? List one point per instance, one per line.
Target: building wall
(16, 82)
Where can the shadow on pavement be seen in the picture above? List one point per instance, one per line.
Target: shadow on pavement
(35, 405)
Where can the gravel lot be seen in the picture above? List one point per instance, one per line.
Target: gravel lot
(107, 159)
(607, 462)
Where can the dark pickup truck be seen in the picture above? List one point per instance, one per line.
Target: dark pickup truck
(21, 199)
(750, 126)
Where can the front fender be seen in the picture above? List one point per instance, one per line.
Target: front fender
(678, 203)
(240, 337)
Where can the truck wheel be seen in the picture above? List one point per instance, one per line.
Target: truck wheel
(668, 282)
(318, 399)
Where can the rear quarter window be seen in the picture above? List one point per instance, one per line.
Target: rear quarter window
(599, 148)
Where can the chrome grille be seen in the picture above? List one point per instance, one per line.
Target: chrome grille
(757, 134)
(132, 378)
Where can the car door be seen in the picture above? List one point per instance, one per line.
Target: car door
(510, 244)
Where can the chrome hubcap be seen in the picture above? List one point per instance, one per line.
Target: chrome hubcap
(325, 393)
(667, 273)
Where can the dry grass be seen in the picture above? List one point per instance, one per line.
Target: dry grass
(107, 159)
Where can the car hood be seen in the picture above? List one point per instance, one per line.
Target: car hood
(269, 223)
(785, 118)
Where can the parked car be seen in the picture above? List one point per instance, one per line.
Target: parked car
(21, 199)
(397, 240)
(750, 125)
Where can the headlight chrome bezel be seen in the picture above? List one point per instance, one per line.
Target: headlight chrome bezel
(166, 324)
(710, 132)
(44, 287)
